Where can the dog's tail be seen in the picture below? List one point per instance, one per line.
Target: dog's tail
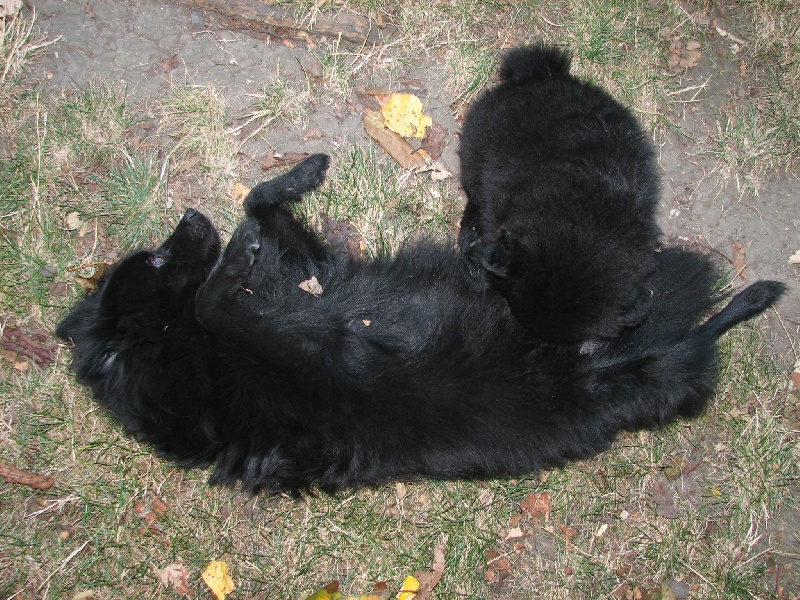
(534, 63)
(664, 368)
(746, 304)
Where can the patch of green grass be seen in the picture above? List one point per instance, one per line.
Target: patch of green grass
(760, 135)
(387, 205)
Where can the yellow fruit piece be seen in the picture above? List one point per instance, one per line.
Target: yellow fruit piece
(403, 115)
(410, 589)
(217, 579)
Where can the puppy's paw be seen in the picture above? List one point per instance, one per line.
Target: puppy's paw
(244, 245)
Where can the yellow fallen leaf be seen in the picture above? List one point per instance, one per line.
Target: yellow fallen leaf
(217, 579)
(403, 115)
(239, 192)
(410, 589)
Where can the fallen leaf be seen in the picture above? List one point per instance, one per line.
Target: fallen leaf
(57, 289)
(312, 133)
(435, 141)
(664, 501)
(72, 221)
(342, 237)
(9, 8)
(537, 504)
(429, 579)
(676, 467)
(312, 286)
(684, 56)
(18, 476)
(239, 192)
(740, 259)
(91, 284)
(169, 64)
(31, 345)
(174, 576)
(409, 589)
(794, 259)
(329, 592)
(796, 377)
(287, 159)
(497, 566)
(217, 579)
(396, 146)
(86, 595)
(403, 115)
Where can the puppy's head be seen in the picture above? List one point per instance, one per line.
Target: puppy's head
(567, 290)
(149, 288)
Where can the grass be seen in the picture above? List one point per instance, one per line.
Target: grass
(605, 535)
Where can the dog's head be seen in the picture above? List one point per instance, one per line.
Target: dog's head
(148, 290)
(138, 346)
(568, 291)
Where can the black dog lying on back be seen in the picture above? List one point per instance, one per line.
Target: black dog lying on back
(562, 188)
(401, 369)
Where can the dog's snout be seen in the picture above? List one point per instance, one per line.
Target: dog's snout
(190, 214)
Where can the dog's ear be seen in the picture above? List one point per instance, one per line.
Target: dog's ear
(499, 256)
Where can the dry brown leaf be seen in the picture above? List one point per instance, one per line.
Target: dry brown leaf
(429, 579)
(311, 285)
(18, 476)
(174, 576)
(343, 238)
(169, 64)
(396, 146)
(794, 259)
(676, 466)
(537, 504)
(287, 159)
(740, 259)
(91, 284)
(497, 566)
(72, 221)
(684, 55)
(32, 346)
(239, 192)
(796, 376)
(435, 141)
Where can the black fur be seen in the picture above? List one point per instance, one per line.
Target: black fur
(562, 188)
(401, 369)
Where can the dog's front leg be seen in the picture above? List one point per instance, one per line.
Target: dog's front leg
(228, 283)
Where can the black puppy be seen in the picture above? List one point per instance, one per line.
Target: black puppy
(399, 370)
(562, 188)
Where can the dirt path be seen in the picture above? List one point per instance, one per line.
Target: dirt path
(139, 43)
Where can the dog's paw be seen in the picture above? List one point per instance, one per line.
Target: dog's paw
(245, 243)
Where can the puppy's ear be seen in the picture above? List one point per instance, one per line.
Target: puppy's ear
(499, 255)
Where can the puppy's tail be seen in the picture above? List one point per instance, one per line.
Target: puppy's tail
(746, 304)
(534, 63)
